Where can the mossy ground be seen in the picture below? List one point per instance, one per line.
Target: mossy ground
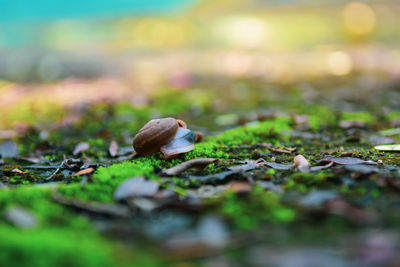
(65, 237)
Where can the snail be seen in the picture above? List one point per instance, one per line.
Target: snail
(168, 135)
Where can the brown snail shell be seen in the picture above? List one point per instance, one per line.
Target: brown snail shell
(154, 135)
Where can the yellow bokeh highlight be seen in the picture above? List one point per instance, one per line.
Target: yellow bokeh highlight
(339, 63)
(359, 18)
(243, 32)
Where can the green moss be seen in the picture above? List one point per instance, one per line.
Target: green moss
(61, 237)
(320, 116)
(360, 116)
(52, 247)
(38, 201)
(259, 206)
(305, 182)
(393, 115)
(106, 179)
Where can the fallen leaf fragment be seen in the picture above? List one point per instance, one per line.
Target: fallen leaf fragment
(301, 163)
(33, 159)
(395, 147)
(113, 149)
(193, 163)
(318, 168)
(250, 165)
(278, 166)
(81, 147)
(136, 187)
(109, 209)
(346, 160)
(86, 171)
(288, 150)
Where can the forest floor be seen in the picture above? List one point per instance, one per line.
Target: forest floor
(338, 204)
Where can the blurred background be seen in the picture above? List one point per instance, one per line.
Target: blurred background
(67, 52)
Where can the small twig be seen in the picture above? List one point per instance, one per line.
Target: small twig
(193, 163)
(55, 172)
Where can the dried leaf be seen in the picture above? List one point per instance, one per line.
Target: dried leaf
(318, 168)
(250, 165)
(136, 187)
(278, 166)
(395, 147)
(33, 159)
(113, 149)
(301, 163)
(109, 209)
(193, 163)
(86, 171)
(346, 160)
(81, 147)
(288, 150)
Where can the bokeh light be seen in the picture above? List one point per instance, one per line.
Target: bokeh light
(243, 32)
(359, 18)
(339, 63)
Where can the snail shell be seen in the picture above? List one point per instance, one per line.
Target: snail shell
(154, 135)
(182, 142)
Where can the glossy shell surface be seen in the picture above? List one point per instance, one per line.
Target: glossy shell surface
(154, 134)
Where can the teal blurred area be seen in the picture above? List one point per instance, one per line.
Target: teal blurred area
(17, 11)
